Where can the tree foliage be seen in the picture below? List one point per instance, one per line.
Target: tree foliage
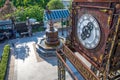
(55, 4)
(26, 8)
(2, 2)
(45, 2)
(31, 8)
(31, 12)
(26, 3)
(70, 6)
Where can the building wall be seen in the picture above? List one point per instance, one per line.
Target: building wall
(66, 3)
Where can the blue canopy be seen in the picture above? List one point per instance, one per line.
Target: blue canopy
(56, 14)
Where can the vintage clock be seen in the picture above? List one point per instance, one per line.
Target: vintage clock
(88, 31)
(91, 26)
(95, 34)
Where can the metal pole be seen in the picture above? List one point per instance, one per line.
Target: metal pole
(62, 27)
(67, 24)
(61, 69)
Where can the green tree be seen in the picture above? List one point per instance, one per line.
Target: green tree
(27, 3)
(18, 2)
(31, 12)
(70, 6)
(55, 4)
(2, 2)
(45, 2)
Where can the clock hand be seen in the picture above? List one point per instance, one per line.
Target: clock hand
(86, 31)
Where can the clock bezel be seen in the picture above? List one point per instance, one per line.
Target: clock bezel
(102, 39)
(94, 56)
(98, 27)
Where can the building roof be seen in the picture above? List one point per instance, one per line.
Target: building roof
(5, 22)
(56, 14)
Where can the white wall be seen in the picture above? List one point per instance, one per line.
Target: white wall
(66, 3)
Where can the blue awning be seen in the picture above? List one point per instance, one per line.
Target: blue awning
(56, 14)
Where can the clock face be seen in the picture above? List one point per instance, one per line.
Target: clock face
(88, 31)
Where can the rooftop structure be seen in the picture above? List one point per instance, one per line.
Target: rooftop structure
(56, 16)
(6, 24)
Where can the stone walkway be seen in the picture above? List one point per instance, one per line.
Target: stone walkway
(11, 65)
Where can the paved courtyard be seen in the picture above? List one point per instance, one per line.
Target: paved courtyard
(27, 64)
(34, 38)
(24, 64)
(28, 68)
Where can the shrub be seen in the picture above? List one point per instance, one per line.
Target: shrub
(4, 62)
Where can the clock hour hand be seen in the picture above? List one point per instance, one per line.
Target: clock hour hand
(90, 26)
(86, 31)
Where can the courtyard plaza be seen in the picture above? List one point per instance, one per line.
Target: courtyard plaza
(27, 64)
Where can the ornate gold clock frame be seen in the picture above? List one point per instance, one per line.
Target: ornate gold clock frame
(96, 36)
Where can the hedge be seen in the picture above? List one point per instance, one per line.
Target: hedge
(4, 62)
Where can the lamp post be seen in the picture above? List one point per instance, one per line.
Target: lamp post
(29, 26)
(67, 24)
(62, 26)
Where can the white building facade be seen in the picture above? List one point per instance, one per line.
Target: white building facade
(66, 3)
